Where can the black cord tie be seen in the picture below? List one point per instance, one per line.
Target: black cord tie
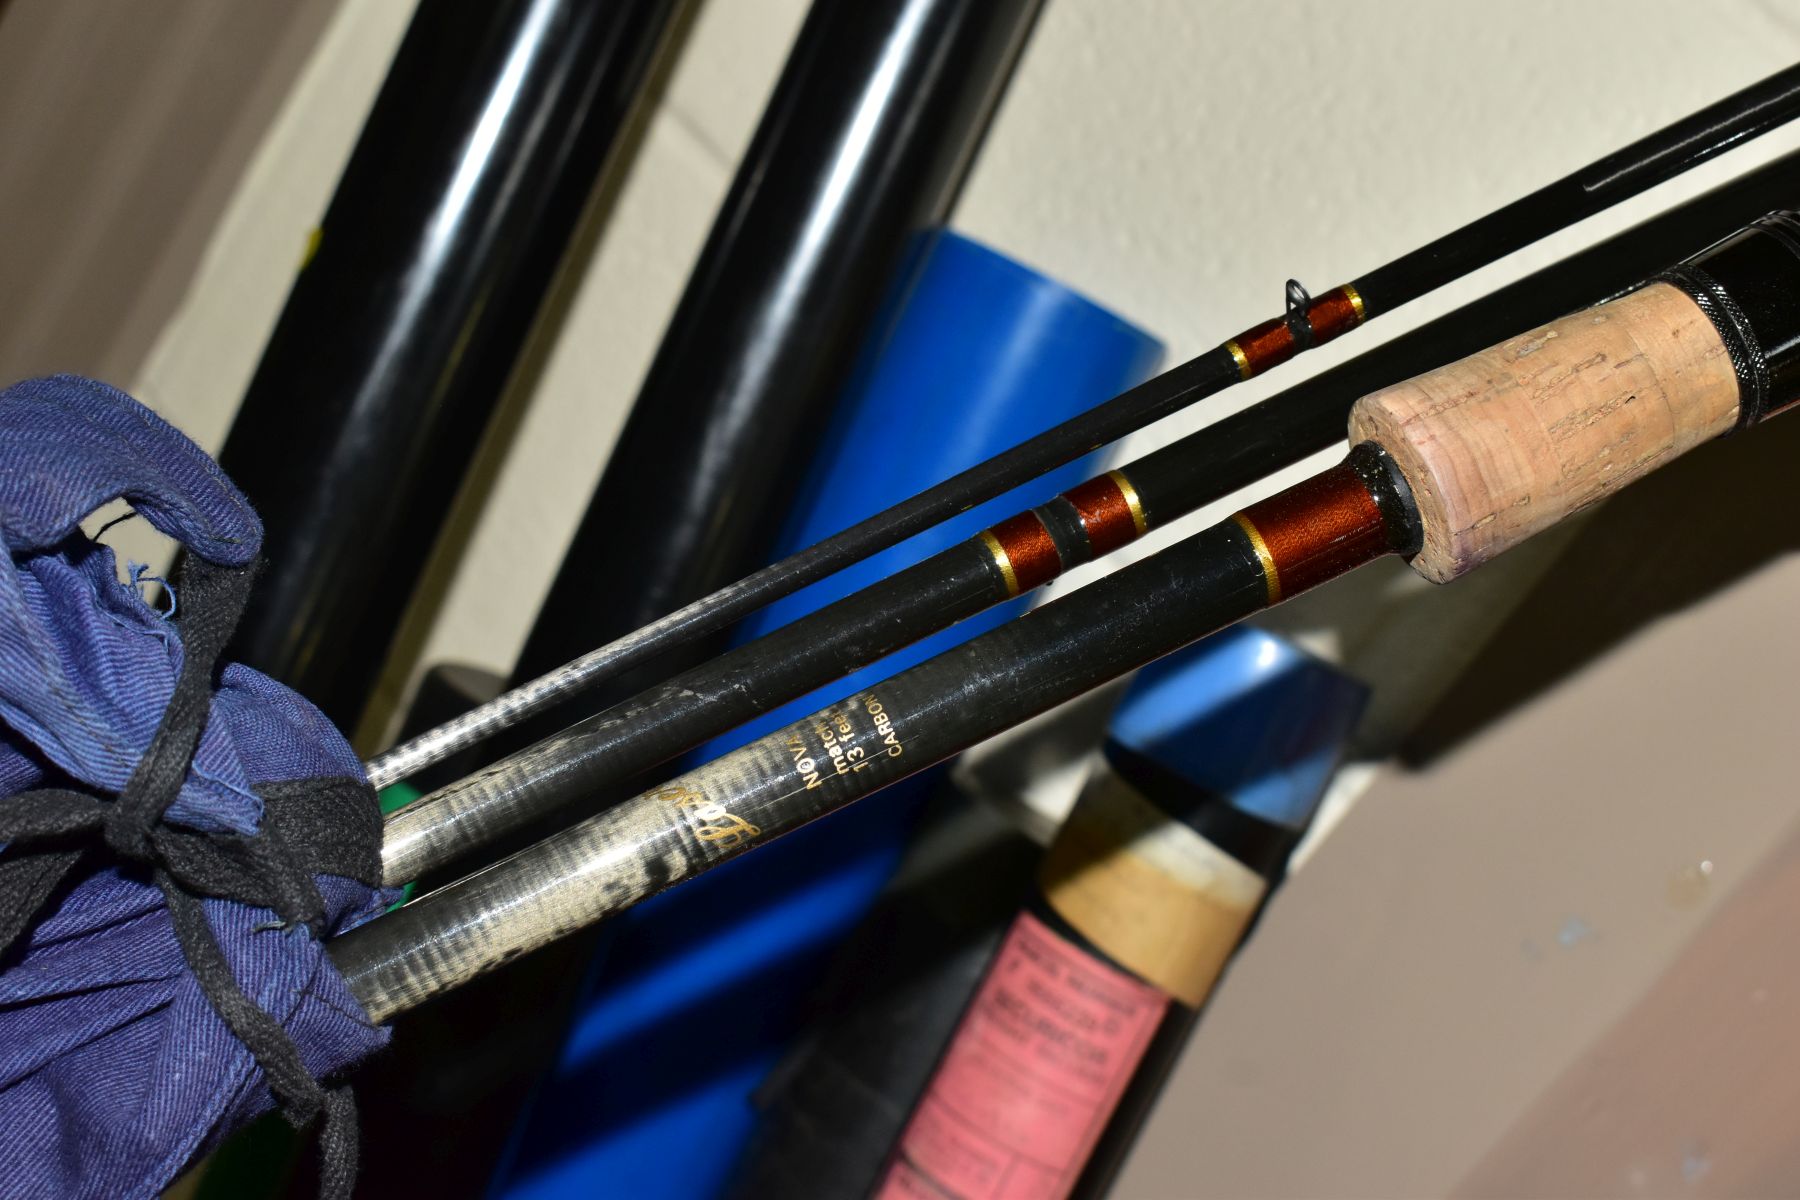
(310, 827)
(1299, 301)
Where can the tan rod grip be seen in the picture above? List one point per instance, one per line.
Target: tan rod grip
(1510, 441)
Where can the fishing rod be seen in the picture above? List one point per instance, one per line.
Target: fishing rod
(1448, 470)
(1109, 511)
(1307, 323)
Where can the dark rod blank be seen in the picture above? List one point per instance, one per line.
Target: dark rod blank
(1448, 469)
(461, 199)
(858, 745)
(1649, 161)
(572, 767)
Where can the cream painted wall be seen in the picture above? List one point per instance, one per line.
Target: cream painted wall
(1178, 161)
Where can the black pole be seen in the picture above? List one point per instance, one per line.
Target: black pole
(1650, 160)
(572, 768)
(865, 141)
(464, 191)
(1342, 518)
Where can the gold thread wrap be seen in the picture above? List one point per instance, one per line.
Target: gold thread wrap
(998, 553)
(1132, 501)
(1238, 356)
(1271, 576)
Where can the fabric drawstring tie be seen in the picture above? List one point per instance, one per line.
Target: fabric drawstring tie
(311, 826)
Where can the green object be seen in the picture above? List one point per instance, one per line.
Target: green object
(397, 796)
(393, 797)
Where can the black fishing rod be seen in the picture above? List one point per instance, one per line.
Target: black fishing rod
(1308, 322)
(570, 768)
(1447, 469)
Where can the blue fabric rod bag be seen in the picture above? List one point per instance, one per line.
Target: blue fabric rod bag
(177, 836)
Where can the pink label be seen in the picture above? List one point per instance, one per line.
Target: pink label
(1031, 1077)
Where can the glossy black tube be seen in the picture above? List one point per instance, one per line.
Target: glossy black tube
(1257, 446)
(464, 192)
(865, 142)
(573, 767)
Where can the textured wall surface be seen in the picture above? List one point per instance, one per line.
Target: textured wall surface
(123, 132)
(1469, 929)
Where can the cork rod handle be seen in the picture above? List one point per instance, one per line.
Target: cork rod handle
(1510, 441)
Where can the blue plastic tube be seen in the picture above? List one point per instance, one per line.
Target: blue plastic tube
(701, 989)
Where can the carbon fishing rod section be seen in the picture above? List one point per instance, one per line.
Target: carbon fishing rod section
(567, 769)
(1308, 322)
(1448, 469)
(1351, 514)
(459, 202)
(1007, 560)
